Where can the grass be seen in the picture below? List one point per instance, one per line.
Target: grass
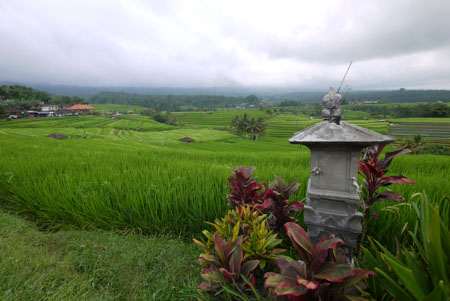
(214, 119)
(113, 107)
(80, 265)
(110, 178)
(133, 175)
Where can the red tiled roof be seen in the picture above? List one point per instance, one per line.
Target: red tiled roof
(81, 107)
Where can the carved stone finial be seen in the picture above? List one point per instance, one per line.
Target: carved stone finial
(331, 103)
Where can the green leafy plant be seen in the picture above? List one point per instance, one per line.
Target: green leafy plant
(248, 126)
(420, 272)
(322, 273)
(247, 224)
(373, 170)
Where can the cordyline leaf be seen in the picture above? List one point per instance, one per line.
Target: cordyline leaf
(390, 195)
(214, 276)
(248, 267)
(300, 240)
(288, 268)
(227, 274)
(379, 150)
(396, 180)
(296, 206)
(273, 279)
(204, 286)
(209, 258)
(266, 204)
(308, 284)
(339, 255)
(387, 160)
(334, 272)
(357, 277)
(218, 246)
(236, 260)
(327, 244)
(364, 169)
(290, 288)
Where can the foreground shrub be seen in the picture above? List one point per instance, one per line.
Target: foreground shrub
(373, 170)
(272, 200)
(322, 273)
(421, 272)
(226, 265)
(247, 224)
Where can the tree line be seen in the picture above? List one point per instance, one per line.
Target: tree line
(21, 97)
(404, 111)
(397, 96)
(174, 103)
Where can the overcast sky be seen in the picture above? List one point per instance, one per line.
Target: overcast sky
(301, 43)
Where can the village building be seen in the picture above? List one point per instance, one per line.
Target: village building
(65, 112)
(12, 111)
(82, 109)
(49, 108)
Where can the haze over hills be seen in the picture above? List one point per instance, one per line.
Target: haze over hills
(267, 93)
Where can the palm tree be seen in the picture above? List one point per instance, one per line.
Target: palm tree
(245, 125)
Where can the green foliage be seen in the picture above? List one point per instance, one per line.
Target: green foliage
(169, 102)
(68, 100)
(21, 104)
(322, 273)
(114, 108)
(419, 272)
(16, 92)
(436, 149)
(163, 118)
(248, 126)
(419, 146)
(23, 98)
(258, 241)
(119, 178)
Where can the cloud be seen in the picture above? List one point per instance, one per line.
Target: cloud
(226, 43)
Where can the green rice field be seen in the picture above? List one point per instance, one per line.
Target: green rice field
(113, 107)
(433, 130)
(134, 173)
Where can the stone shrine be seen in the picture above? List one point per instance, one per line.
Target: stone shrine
(332, 196)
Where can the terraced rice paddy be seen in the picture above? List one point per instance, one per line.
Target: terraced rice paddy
(215, 119)
(434, 130)
(113, 107)
(133, 173)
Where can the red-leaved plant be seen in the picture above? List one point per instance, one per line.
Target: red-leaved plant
(273, 200)
(373, 171)
(322, 273)
(226, 266)
(278, 206)
(244, 188)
